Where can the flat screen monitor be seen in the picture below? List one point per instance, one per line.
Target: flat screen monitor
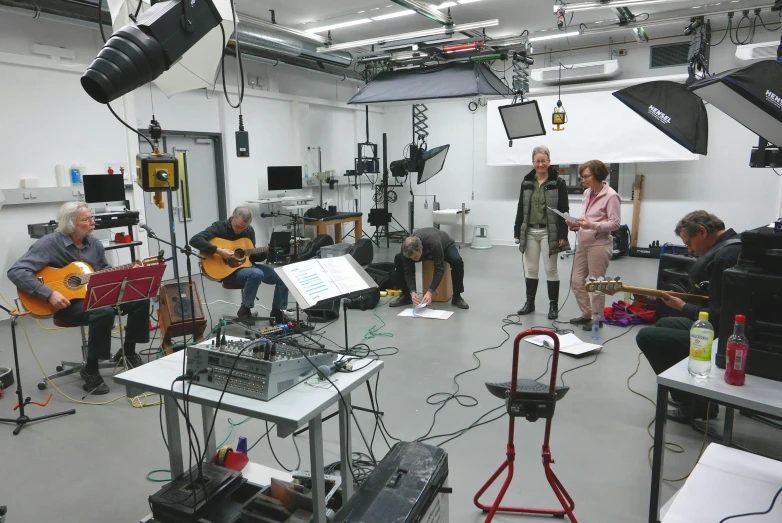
(285, 178)
(432, 161)
(522, 120)
(101, 188)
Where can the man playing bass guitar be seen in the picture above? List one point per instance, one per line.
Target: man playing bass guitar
(72, 242)
(235, 228)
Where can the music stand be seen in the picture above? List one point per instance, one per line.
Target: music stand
(113, 288)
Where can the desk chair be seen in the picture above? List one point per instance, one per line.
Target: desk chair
(66, 368)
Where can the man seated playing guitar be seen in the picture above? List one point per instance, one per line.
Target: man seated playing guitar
(73, 241)
(235, 228)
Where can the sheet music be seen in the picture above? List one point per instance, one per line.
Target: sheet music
(312, 281)
(429, 314)
(343, 275)
(565, 215)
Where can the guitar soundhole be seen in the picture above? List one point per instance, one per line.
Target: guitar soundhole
(239, 254)
(73, 281)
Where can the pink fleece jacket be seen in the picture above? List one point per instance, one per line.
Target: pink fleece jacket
(605, 215)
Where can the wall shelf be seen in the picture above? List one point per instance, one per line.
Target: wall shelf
(42, 195)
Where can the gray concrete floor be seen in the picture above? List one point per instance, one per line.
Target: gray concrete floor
(92, 466)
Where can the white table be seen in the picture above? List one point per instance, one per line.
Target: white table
(290, 410)
(758, 395)
(726, 482)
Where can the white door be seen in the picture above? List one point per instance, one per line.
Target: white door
(195, 204)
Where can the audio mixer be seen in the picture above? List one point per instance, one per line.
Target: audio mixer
(265, 368)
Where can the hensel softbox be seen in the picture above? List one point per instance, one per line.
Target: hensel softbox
(751, 95)
(671, 108)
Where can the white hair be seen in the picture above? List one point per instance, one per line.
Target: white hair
(541, 149)
(66, 216)
(244, 213)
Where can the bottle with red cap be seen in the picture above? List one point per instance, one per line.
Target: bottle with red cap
(736, 354)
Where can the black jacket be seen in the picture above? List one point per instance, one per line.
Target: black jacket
(562, 206)
(223, 229)
(435, 242)
(725, 258)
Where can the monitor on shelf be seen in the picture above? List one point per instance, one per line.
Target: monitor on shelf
(284, 178)
(103, 188)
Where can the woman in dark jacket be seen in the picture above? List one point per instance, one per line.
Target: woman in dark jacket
(538, 230)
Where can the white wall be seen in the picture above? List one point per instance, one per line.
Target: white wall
(721, 182)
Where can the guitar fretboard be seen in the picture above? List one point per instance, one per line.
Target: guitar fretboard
(83, 278)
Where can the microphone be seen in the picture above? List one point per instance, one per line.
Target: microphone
(325, 371)
(146, 228)
(267, 215)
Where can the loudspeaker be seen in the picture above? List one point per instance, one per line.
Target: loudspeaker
(323, 312)
(757, 296)
(363, 251)
(175, 315)
(673, 275)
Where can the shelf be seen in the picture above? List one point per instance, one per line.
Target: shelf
(42, 195)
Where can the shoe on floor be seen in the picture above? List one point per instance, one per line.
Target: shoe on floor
(588, 326)
(133, 360)
(580, 320)
(687, 414)
(458, 301)
(244, 313)
(93, 383)
(401, 301)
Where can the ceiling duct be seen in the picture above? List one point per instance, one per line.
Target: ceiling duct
(586, 72)
(254, 41)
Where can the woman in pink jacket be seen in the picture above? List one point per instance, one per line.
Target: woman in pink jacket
(601, 214)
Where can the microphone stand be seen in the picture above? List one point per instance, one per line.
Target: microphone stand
(23, 419)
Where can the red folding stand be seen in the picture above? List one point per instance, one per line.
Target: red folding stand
(530, 410)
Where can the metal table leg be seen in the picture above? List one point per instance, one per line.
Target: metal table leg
(316, 466)
(207, 414)
(345, 448)
(174, 437)
(727, 430)
(658, 456)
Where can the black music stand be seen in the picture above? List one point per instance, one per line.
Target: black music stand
(23, 419)
(113, 288)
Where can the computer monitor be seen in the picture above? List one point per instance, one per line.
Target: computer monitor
(285, 178)
(522, 120)
(432, 162)
(101, 188)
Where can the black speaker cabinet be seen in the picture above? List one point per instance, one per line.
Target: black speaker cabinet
(672, 275)
(323, 312)
(758, 296)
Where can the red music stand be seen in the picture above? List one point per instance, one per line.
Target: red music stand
(532, 400)
(113, 288)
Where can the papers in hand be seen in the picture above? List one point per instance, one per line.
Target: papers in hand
(564, 215)
(423, 312)
(568, 344)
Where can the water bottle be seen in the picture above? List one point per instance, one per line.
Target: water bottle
(701, 338)
(736, 352)
(595, 326)
(76, 174)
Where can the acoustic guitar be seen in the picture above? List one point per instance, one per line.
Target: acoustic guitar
(70, 281)
(215, 267)
(611, 287)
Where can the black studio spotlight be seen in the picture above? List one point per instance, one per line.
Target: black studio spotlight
(138, 53)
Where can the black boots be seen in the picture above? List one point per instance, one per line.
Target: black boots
(532, 290)
(553, 299)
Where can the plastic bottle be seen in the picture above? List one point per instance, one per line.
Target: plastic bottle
(76, 172)
(737, 352)
(595, 326)
(701, 338)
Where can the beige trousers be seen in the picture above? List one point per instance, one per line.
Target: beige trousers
(537, 244)
(589, 261)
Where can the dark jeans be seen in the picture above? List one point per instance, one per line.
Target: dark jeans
(452, 256)
(101, 321)
(252, 277)
(665, 344)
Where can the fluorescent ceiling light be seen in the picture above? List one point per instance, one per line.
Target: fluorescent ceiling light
(409, 36)
(467, 1)
(338, 26)
(393, 15)
(551, 37)
(444, 5)
(588, 6)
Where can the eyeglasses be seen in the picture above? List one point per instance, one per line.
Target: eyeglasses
(586, 176)
(540, 162)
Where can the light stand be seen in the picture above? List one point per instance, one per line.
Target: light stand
(23, 419)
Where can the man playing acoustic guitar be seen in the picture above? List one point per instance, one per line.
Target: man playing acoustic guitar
(71, 242)
(251, 277)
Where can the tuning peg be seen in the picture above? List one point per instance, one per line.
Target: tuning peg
(591, 279)
(600, 278)
(617, 278)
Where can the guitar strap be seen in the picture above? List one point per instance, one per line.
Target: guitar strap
(698, 271)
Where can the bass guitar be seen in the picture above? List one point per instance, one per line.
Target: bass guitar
(611, 287)
(70, 281)
(215, 267)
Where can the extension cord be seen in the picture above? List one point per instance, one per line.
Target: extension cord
(392, 292)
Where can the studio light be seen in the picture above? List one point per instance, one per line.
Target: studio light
(138, 53)
(522, 120)
(426, 163)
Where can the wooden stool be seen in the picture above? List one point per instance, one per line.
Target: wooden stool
(444, 291)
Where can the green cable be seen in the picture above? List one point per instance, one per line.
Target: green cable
(374, 330)
(157, 471)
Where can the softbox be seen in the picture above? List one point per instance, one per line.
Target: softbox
(671, 108)
(751, 95)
